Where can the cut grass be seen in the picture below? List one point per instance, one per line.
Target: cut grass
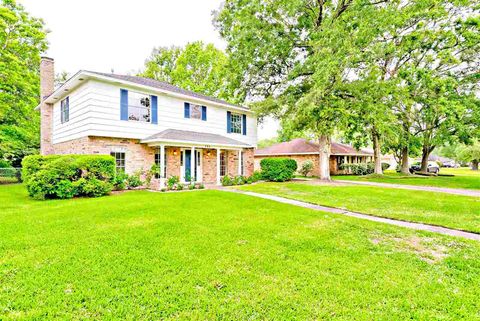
(460, 212)
(464, 178)
(214, 255)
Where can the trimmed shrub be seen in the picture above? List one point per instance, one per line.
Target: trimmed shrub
(306, 168)
(92, 187)
(172, 181)
(134, 180)
(256, 176)
(360, 168)
(120, 182)
(278, 169)
(227, 181)
(64, 176)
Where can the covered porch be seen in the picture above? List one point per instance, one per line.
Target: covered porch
(199, 157)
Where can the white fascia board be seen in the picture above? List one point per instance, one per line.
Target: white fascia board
(157, 142)
(286, 154)
(74, 81)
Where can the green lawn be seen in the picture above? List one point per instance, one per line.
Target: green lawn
(211, 255)
(464, 178)
(461, 212)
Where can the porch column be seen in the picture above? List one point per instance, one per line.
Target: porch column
(218, 166)
(239, 162)
(192, 164)
(162, 166)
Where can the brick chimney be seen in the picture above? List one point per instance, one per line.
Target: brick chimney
(47, 78)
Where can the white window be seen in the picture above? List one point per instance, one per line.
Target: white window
(195, 111)
(65, 110)
(138, 107)
(223, 164)
(236, 123)
(119, 161)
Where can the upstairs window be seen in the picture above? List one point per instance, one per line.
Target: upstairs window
(195, 111)
(65, 110)
(119, 161)
(236, 123)
(139, 107)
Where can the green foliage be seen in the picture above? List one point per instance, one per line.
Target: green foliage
(201, 186)
(92, 187)
(120, 182)
(306, 168)
(4, 164)
(22, 39)
(359, 168)
(66, 189)
(197, 67)
(227, 181)
(256, 176)
(134, 180)
(172, 182)
(278, 169)
(239, 180)
(66, 176)
(191, 186)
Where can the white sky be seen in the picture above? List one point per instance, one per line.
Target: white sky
(103, 35)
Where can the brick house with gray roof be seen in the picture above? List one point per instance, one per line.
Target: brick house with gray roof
(142, 122)
(303, 150)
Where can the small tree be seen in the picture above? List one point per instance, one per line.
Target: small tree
(306, 168)
(471, 154)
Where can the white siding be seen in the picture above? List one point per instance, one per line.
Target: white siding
(95, 111)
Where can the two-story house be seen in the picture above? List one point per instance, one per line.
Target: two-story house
(141, 121)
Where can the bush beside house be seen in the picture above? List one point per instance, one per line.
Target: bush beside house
(67, 176)
(278, 169)
(362, 168)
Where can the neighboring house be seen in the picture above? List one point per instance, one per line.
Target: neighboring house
(142, 122)
(303, 150)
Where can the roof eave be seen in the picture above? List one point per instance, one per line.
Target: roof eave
(160, 141)
(60, 92)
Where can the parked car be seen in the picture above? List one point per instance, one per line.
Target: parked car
(450, 164)
(432, 167)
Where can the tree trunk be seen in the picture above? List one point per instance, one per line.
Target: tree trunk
(324, 158)
(377, 155)
(475, 165)
(426, 151)
(405, 169)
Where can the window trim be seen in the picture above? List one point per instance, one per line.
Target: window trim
(149, 108)
(240, 121)
(119, 160)
(223, 164)
(190, 108)
(65, 110)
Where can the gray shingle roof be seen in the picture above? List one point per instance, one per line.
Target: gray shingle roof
(191, 136)
(165, 86)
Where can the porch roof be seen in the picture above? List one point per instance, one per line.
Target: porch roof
(193, 138)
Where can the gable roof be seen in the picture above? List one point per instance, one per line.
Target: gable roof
(186, 136)
(304, 146)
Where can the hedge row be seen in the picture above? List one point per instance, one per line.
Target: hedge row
(363, 168)
(278, 169)
(66, 176)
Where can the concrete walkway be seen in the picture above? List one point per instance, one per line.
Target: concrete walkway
(415, 226)
(456, 191)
